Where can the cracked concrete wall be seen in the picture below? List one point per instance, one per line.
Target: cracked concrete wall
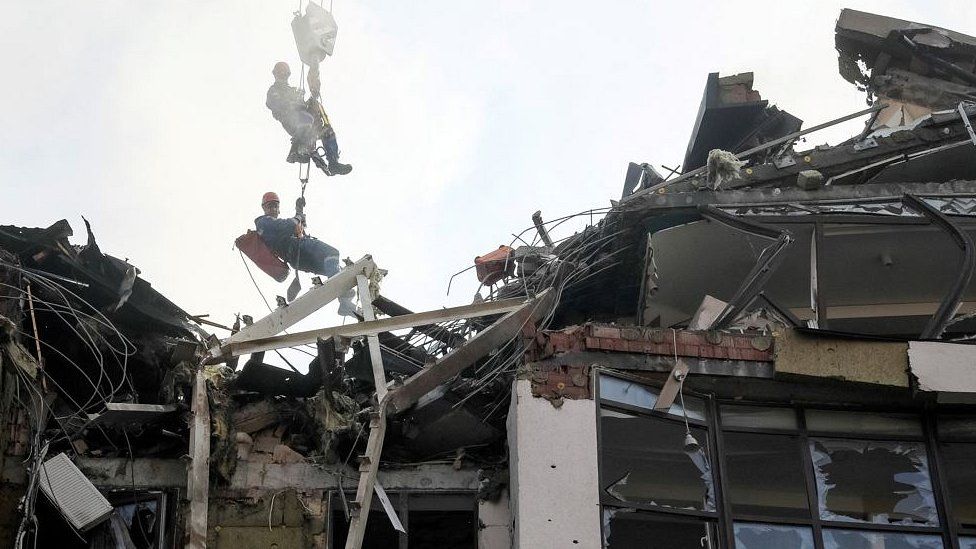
(553, 468)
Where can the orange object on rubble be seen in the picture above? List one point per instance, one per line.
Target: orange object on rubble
(495, 265)
(255, 248)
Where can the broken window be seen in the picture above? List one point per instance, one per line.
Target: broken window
(960, 475)
(431, 522)
(856, 539)
(870, 481)
(758, 417)
(847, 422)
(642, 396)
(764, 475)
(645, 460)
(764, 536)
(629, 529)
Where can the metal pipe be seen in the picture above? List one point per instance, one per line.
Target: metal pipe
(759, 148)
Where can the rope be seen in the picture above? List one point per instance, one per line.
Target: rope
(270, 310)
(255, 282)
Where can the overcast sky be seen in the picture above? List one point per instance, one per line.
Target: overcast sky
(460, 119)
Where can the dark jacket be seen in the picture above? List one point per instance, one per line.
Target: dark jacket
(285, 101)
(278, 234)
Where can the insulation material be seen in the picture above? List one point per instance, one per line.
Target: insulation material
(946, 368)
(723, 167)
(872, 481)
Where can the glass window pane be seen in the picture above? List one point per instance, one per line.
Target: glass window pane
(952, 426)
(843, 421)
(855, 539)
(758, 417)
(765, 536)
(765, 475)
(967, 543)
(627, 529)
(642, 396)
(868, 481)
(959, 461)
(644, 460)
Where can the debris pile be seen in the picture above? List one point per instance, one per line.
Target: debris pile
(730, 276)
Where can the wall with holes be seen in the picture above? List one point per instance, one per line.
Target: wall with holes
(553, 467)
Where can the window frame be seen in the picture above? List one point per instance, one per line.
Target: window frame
(948, 529)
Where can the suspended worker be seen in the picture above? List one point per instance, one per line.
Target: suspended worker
(287, 238)
(304, 120)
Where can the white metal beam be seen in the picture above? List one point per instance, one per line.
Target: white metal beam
(310, 302)
(228, 351)
(198, 469)
(366, 302)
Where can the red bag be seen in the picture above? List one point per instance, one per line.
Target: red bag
(255, 248)
(494, 266)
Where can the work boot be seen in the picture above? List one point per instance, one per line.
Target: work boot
(347, 307)
(338, 168)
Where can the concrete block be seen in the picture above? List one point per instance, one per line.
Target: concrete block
(809, 180)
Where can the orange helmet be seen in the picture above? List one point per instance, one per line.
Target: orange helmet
(281, 70)
(269, 196)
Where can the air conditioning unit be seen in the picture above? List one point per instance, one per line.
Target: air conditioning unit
(72, 493)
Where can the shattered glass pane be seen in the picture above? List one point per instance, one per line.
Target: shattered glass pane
(843, 421)
(629, 529)
(764, 474)
(758, 417)
(967, 543)
(957, 460)
(855, 539)
(764, 536)
(642, 396)
(644, 460)
(869, 481)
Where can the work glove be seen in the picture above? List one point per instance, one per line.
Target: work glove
(300, 204)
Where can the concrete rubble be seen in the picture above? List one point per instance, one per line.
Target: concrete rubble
(815, 296)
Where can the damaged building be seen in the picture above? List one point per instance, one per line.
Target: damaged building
(771, 348)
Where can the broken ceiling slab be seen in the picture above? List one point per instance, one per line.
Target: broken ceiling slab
(920, 66)
(124, 413)
(868, 35)
(847, 359)
(734, 117)
(948, 369)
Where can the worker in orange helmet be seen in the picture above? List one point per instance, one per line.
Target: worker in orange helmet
(287, 238)
(304, 120)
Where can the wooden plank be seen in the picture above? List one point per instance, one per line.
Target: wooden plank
(198, 470)
(310, 302)
(451, 365)
(365, 328)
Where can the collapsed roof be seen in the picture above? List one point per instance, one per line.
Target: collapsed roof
(728, 265)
